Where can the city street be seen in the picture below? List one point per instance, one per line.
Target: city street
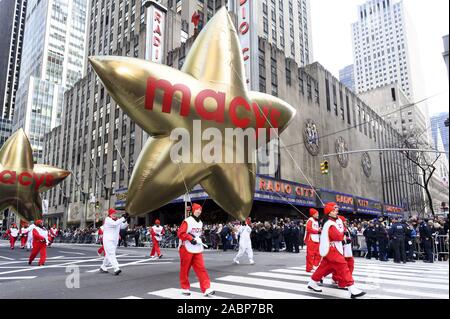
(275, 276)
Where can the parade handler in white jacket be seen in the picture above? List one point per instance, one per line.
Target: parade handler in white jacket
(245, 243)
(111, 229)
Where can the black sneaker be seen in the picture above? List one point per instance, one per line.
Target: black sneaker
(117, 272)
(362, 293)
(103, 271)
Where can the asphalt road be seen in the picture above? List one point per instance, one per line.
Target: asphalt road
(275, 275)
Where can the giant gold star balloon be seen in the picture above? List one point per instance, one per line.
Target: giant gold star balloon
(210, 90)
(21, 180)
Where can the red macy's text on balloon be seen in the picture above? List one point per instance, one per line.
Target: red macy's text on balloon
(25, 179)
(261, 114)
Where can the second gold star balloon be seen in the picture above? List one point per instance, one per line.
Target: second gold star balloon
(209, 92)
(21, 181)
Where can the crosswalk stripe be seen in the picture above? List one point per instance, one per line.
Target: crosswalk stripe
(409, 271)
(284, 285)
(254, 292)
(17, 278)
(393, 272)
(391, 275)
(417, 293)
(131, 297)
(376, 280)
(403, 266)
(403, 277)
(7, 258)
(305, 279)
(174, 293)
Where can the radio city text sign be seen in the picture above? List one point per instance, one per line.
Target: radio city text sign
(246, 35)
(345, 202)
(9, 177)
(154, 43)
(368, 206)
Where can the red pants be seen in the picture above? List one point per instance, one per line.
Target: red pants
(334, 263)
(39, 248)
(351, 266)
(12, 241)
(312, 255)
(155, 248)
(23, 241)
(188, 260)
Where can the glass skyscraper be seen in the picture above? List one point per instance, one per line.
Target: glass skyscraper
(53, 61)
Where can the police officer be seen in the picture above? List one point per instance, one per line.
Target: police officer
(410, 237)
(295, 236)
(371, 241)
(397, 235)
(382, 239)
(426, 236)
(287, 235)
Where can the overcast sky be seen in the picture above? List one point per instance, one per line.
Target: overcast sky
(331, 27)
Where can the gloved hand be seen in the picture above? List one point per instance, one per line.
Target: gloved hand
(126, 215)
(194, 241)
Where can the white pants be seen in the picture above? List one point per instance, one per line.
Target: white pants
(245, 248)
(110, 255)
(30, 242)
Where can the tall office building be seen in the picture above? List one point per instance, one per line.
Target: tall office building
(384, 50)
(440, 132)
(347, 77)
(53, 61)
(12, 22)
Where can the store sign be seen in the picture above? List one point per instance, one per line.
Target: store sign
(368, 206)
(154, 43)
(245, 30)
(346, 202)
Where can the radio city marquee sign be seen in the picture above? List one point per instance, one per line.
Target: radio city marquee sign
(368, 206)
(266, 189)
(247, 35)
(393, 211)
(346, 202)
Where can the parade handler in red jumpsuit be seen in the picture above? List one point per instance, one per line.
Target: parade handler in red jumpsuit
(13, 233)
(312, 238)
(156, 231)
(332, 252)
(191, 249)
(40, 241)
(348, 251)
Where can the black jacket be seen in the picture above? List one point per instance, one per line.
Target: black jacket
(370, 233)
(397, 231)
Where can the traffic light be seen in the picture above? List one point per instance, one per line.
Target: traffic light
(324, 167)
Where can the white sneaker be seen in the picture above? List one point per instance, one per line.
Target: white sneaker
(355, 292)
(334, 283)
(252, 262)
(209, 292)
(186, 292)
(236, 261)
(313, 285)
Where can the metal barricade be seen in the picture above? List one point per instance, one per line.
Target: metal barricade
(359, 245)
(440, 247)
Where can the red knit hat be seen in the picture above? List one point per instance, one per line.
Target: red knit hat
(248, 220)
(312, 212)
(111, 211)
(38, 222)
(329, 207)
(196, 206)
(157, 222)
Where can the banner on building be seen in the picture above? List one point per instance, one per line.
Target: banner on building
(121, 198)
(44, 207)
(154, 36)
(284, 192)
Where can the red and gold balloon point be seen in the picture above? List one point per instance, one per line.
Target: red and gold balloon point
(210, 89)
(21, 181)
